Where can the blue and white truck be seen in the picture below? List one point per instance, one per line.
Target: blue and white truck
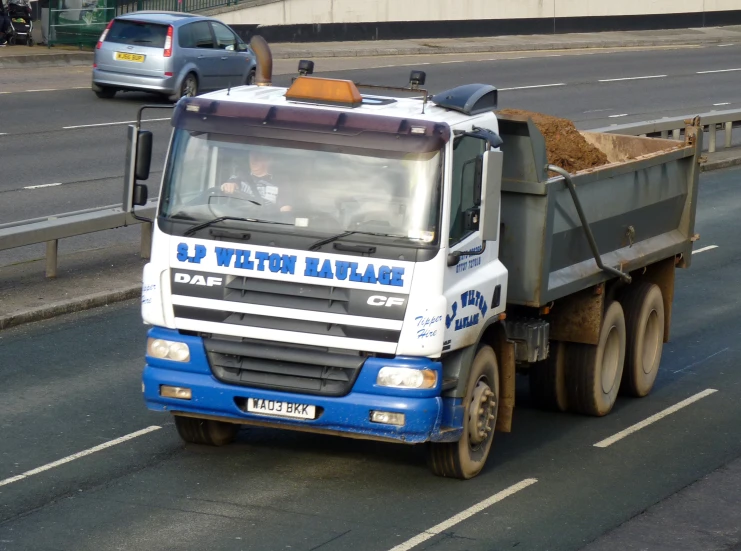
(381, 267)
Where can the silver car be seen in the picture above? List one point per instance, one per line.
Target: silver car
(172, 53)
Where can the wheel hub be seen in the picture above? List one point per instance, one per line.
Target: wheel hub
(481, 413)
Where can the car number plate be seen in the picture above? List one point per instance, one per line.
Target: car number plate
(123, 56)
(281, 409)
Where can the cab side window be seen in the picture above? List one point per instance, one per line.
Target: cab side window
(465, 152)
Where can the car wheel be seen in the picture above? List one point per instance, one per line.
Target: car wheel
(189, 86)
(105, 93)
(251, 77)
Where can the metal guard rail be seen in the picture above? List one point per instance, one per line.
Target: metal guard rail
(711, 122)
(50, 229)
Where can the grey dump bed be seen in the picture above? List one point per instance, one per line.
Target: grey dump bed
(640, 209)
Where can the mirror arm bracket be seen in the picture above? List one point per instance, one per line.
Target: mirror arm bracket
(455, 257)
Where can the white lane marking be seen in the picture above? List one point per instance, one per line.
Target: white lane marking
(555, 55)
(698, 362)
(631, 78)
(597, 111)
(452, 61)
(79, 455)
(452, 521)
(112, 123)
(43, 185)
(719, 104)
(44, 90)
(657, 417)
(725, 45)
(536, 86)
(618, 116)
(708, 248)
(718, 71)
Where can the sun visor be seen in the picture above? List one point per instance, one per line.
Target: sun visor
(319, 126)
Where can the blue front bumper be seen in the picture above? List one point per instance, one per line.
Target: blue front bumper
(428, 416)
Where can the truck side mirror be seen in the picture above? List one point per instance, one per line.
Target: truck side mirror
(141, 194)
(143, 155)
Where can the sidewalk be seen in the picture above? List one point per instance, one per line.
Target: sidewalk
(704, 516)
(41, 56)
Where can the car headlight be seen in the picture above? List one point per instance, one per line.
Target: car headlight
(168, 350)
(406, 377)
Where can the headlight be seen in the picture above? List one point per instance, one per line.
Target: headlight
(168, 350)
(406, 377)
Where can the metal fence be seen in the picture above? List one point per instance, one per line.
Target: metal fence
(78, 22)
(81, 22)
(190, 6)
(712, 122)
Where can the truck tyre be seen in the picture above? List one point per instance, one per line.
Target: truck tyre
(548, 379)
(595, 372)
(205, 431)
(465, 459)
(644, 322)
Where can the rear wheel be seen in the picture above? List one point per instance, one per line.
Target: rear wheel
(644, 321)
(251, 78)
(189, 86)
(205, 431)
(465, 459)
(595, 372)
(105, 93)
(548, 379)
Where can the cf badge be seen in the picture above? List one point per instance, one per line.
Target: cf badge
(379, 300)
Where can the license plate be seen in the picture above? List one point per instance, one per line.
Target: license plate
(281, 409)
(130, 57)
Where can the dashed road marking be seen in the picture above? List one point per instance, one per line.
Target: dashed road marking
(79, 455)
(44, 90)
(534, 86)
(719, 104)
(657, 417)
(618, 116)
(452, 521)
(631, 78)
(718, 71)
(43, 185)
(708, 248)
(112, 123)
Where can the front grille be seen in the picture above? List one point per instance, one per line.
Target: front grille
(285, 294)
(300, 369)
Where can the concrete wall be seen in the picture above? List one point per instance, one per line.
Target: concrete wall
(298, 12)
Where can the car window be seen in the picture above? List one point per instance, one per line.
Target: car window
(137, 33)
(224, 37)
(195, 35)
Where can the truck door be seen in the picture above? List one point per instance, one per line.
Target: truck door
(475, 283)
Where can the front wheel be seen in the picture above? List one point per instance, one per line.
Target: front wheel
(466, 458)
(205, 431)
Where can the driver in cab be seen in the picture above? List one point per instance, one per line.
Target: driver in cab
(258, 185)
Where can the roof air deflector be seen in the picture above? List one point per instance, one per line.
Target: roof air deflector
(470, 99)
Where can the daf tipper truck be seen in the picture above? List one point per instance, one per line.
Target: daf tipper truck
(402, 261)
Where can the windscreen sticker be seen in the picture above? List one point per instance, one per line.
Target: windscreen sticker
(288, 264)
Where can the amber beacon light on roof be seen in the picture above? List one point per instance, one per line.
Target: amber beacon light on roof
(324, 90)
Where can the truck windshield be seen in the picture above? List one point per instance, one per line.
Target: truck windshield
(317, 189)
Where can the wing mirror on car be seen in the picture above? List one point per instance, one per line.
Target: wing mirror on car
(141, 194)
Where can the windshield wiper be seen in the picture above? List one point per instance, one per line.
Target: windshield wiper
(322, 242)
(193, 229)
